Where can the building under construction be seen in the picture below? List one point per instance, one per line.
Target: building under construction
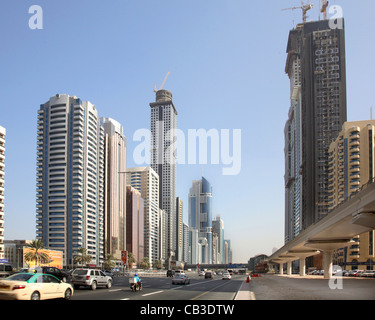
(316, 69)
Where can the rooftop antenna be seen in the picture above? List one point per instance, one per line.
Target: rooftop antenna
(304, 7)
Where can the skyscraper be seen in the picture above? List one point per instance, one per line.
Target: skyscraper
(163, 159)
(70, 177)
(2, 165)
(352, 164)
(218, 227)
(317, 71)
(146, 181)
(179, 229)
(135, 223)
(114, 188)
(200, 215)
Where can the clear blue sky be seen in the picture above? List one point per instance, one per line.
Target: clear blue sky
(226, 59)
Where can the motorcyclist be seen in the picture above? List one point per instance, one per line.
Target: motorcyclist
(138, 281)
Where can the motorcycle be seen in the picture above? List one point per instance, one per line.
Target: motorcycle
(135, 285)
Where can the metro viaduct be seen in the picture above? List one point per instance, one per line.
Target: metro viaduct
(354, 216)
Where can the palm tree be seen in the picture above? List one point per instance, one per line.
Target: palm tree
(108, 262)
(83, 257)
(145, 263)
(35, 254)
(131, 259)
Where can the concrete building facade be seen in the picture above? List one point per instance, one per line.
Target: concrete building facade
(135, 223)
(316, 67)
(146, 181)
(114, 187)
(351, 160)
(70, 178)
(163, 159)
(2, 173)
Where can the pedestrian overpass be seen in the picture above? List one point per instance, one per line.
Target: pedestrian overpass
(354, 216)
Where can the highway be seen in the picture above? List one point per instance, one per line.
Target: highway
(161, 288)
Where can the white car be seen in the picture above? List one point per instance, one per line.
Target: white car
(226, 275)
(180, 278)
(34, 286)
(90, 277)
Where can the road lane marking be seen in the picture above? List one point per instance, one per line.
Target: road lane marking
(114, 290)
(202, 294)
(148, 294)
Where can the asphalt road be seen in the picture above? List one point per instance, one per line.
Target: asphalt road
(161, 288)
(283, 287)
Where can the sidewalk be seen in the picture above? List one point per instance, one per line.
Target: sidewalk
(245, 293)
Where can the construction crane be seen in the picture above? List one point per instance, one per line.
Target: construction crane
(165, 79)
(324, 8)
(304, 7)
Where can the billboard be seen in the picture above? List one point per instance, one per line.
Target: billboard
(55, 258)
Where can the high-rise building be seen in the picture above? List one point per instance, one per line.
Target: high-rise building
(146, 181)
(134, 223)
(70, 178)
(200, 215)
(179, 229)
(228, 251)
(185, 255)
(2, 165)
(163, 235)
(114, 188)
(163, 159)
(317, 71)
(351, 166)
(218, 227)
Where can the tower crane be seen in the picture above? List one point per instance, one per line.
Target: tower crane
(324, 8)
(165, 79)
(304, 7)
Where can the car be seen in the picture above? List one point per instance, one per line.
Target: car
(226, 276)
(34, 286)
(368, 274)
(170, 273)
(108, 273)
(354, 273)
(59, 274)
(90, 277)
(208, 275)
(201, 273)
(180, 278)
(179, 271)
(6, 270)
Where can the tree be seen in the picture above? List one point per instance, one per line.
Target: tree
(83, 258)
(145, 264)
(108, 262)
(158, 264)
(131, 259)
(35, 254)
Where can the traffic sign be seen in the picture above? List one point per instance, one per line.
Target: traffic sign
(124, 257)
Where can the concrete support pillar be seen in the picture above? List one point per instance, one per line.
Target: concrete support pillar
(302, 267)
(327, 264)
(289, 268)
(281, 268)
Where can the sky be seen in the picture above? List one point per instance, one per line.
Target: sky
(226, 60)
